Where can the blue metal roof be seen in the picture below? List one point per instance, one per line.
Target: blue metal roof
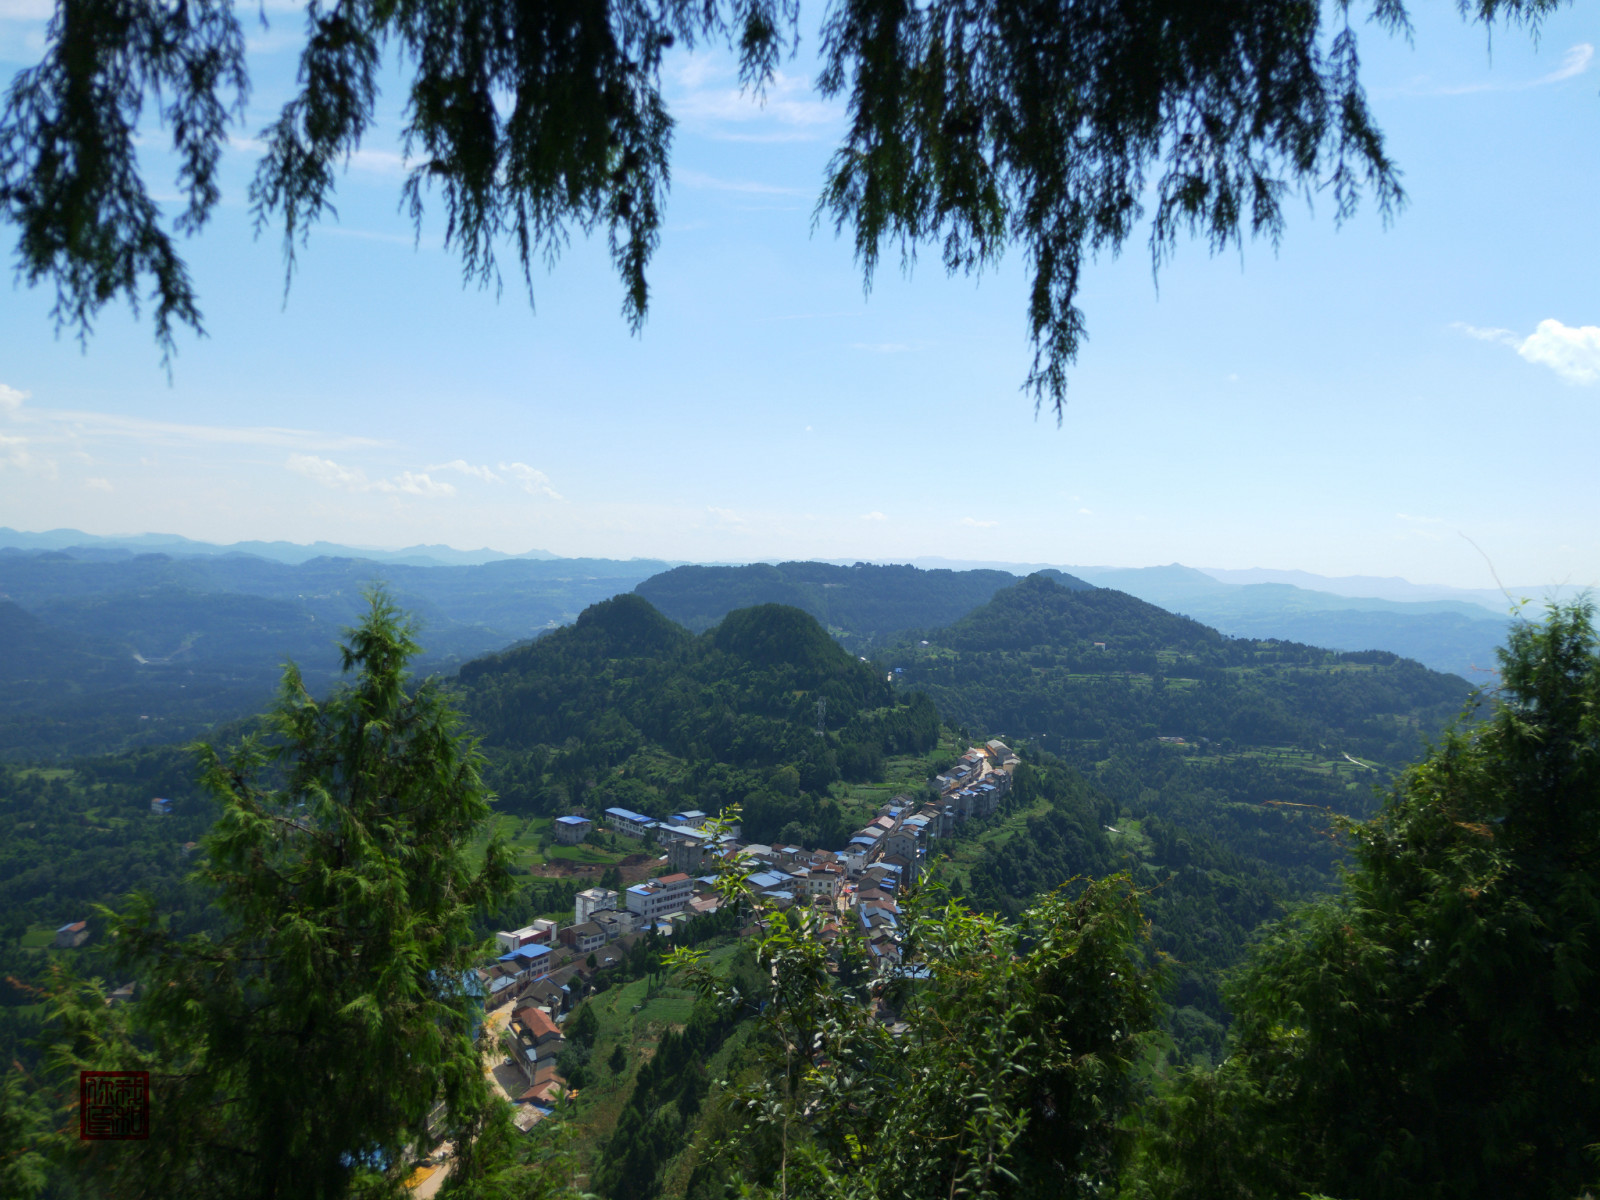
(573, 821)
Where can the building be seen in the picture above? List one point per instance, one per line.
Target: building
(631, 823)
(694, 819)
(656, 898)
(162, 808)
(584, 938)
(537, 934)
(71, 936)
(592, 901)
(527, 961)
(572, 830)
(614, 923)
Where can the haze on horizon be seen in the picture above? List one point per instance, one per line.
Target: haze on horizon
(1418, 402)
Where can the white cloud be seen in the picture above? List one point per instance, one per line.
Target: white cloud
(726, 515)
(974, 523)
(709, 100)
(1571, 351)
(1574, 62)
(10, 398)
(97, 484)
(1504, 336)
(530, 480)
(698, 179)
(353, 479)
(415, 485)
(466, 468)
(328, 473)
(1086, 512)
(873, 516)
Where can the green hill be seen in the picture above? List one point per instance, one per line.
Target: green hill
(862, 605)
(626, 708)
(1219, 762)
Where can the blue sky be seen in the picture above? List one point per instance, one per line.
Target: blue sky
(1422, 400)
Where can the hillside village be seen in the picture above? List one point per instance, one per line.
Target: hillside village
(545, 968)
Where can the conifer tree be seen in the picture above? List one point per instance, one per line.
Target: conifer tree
(329, 1033)
(1432, 1030)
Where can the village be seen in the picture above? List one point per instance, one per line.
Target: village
(545, 969)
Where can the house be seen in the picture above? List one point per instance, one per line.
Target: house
(572, 830)
(69, 937)
(657, 897)
(631, 823)
(162, 808)
(591, 901)
(545, 994)
(498, 984)
(825, 879)
(532, 1040)
(614, 923)
(769, 881)
(694, 819)
(527, 961)
(608, 956)
(584, 938)
(537, 934)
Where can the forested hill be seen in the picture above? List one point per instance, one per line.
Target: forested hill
(1046, 609)
(861, 605)
(102, 651)
(1097, 667)
(1217, 761)
(624, 707)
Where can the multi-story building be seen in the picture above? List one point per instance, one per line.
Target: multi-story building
(572, 830)
(631, 823)
(589, 902)
(656, 898)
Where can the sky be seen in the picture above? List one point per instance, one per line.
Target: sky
(1418, 400)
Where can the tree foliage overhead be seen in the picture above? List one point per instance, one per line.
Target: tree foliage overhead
(972, 124)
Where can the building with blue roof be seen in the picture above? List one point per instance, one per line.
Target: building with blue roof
(631, 823)
(572, 830)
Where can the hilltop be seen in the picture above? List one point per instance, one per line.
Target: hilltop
(627, 708)
(861, 605)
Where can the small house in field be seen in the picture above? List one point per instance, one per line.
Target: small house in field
(69, 937)
(572, 830)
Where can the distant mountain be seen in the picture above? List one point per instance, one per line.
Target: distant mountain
(862, 605)
(92, 545)
(1376, 587)
(164, 645)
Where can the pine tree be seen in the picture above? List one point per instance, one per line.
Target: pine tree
(329, 1033)
(1431, 1031)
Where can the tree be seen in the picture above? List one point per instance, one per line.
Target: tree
(972, 123)
(331, 1031)
(1009, 1075)
(1430, 1030)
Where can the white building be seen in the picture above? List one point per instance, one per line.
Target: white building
(657, 897)
(592, 901)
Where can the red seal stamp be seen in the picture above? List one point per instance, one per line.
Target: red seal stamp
(113, 1106)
